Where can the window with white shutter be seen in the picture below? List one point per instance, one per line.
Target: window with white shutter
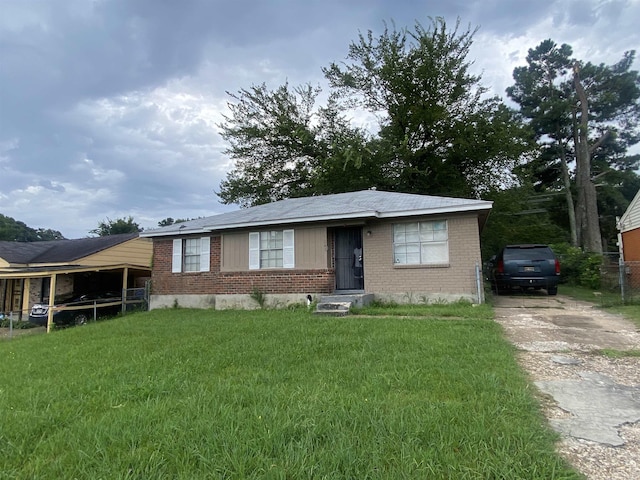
(176, 262)
(191, 255)
(271, 249)
(254, 251)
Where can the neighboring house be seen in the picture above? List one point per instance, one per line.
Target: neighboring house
(629, 243)
(629, 228)
(401, 247)
(30, 272)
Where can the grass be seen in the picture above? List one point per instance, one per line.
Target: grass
(601, 297)
(190, 394)
(458, 310)
(607, 300)
(613, 353)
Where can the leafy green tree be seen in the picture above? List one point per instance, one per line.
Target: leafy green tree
(15, 231)
(439, 133)
(519, 216)
(544, 99)
(44, 234)
(584, 114)
(284, 145)
(273, 143)
(436, 133)
(114, 227)
(170, 221)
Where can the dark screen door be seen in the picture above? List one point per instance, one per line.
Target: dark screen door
(349, 259)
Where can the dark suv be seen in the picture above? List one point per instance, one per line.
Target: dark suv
(525, 266)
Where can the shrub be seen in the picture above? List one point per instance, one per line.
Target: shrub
(578, 267)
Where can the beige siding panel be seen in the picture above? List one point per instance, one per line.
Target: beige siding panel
(235, 252)
(137, 251)
(381, 276)
(310, 250)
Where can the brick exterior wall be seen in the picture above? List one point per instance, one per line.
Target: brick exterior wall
(382, 277)
(215, 282)
(631, 253)
(458, 278)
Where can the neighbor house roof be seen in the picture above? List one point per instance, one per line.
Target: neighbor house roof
(366, 204)
(58, 251)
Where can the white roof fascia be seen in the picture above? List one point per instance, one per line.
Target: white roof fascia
(436, 211)
(173, 232)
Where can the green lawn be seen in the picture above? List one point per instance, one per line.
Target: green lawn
(607, 300)
(192, 394)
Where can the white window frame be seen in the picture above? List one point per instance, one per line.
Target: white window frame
(255, 250)
(421, 243)
(179, 253)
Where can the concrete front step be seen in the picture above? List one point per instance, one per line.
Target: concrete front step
(335, 309)
(339, 305)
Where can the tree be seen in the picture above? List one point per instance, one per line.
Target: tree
(583, 113)
(516, 218)
(114, 227)
(435, 134)
(439, 133)
(545, 102)
(273, 142)
(170, 221)
(286, 146)
(15, 231)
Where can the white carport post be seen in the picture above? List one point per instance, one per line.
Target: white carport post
(52, 298)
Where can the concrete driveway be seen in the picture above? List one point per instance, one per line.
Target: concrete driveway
(593, 401)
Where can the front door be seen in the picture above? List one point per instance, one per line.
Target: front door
(349, 259)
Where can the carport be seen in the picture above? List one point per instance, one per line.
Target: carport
(41, 272)
(22, 286)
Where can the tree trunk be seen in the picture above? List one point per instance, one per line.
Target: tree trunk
(587, 206)
(571, 209)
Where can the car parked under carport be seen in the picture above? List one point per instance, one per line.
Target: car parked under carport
(78, 310)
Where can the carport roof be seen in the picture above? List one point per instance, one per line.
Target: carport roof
(58, 251)
(25, 272)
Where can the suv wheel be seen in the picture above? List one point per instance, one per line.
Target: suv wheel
(552, 290)
(81, 319)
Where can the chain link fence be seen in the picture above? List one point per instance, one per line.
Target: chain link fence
(628, 281)
(621, 278)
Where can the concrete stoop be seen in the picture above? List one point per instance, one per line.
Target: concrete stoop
(340, 305)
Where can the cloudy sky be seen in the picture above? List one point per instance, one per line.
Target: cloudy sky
(109, 108)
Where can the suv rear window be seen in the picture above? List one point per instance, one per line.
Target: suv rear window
(528, 253)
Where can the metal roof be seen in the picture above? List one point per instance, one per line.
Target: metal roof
(366, 204)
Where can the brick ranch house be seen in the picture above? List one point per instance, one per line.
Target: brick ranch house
(397, 246)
